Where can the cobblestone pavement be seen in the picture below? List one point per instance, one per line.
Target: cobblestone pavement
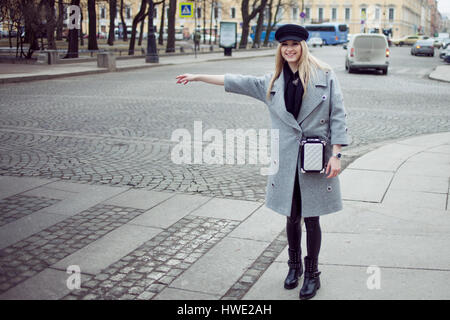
(116, 128)
(19, 206)
(150, 268)
(30, 256)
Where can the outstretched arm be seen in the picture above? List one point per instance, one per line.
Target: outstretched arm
(208, 78)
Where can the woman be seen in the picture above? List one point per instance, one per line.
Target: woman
(304, 100)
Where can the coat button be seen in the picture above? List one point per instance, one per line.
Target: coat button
(322, 121)
(329, 188)
(324, 97)
(273, 185)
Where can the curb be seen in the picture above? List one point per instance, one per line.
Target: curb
(439, 77)
(118, 69)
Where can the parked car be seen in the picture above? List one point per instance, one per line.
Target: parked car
(367, 51)
(315, 41)
(408, 40)
(437, 42)
(444, 48)
(424, 47)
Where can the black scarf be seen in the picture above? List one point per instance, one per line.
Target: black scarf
(293, 90)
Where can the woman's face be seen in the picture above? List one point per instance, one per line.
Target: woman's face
(291, 50)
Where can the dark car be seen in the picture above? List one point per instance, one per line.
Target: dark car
(425, 47)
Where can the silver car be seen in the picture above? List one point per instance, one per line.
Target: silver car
(424, 47)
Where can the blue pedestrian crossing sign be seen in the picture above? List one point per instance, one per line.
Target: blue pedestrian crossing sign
(186, 10)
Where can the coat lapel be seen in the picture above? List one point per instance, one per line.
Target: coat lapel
(279, 105)
(315, 94)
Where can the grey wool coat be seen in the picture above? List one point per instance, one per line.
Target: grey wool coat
(322, 114)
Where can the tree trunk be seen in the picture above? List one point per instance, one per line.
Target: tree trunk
(72, 50)
(271, 22)
(141, 32)
(125, 35)
(81, 28)
(92, 40)
(161, 26)
(59, 22)
(246, 18)
(51, 23)
(112, 19)
(259, 25)
(138, 18)
(170, 46)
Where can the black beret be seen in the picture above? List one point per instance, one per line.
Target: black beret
(291, 32)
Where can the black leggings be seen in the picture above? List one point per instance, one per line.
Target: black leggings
(294, 230)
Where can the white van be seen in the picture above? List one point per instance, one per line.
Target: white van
(367, 51)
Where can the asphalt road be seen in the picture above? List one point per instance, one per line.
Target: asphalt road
(116, 128)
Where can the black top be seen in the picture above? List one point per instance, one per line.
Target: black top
(293, 90)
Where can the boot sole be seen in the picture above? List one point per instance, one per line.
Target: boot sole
(311, 295)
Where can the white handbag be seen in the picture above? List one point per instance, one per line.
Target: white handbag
(312, 155)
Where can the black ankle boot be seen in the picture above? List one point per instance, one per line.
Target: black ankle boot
(295, 269)
(311, 282)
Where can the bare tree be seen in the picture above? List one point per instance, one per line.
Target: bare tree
(259, 24)
(124, 36)
(247, 17)
(161, 26)
(112, 19)
(137, 19)
(272, 20)
(92, 40)
(170, 46)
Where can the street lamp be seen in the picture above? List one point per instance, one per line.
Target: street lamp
(152, 52)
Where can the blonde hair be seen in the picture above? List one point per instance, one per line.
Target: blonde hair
(307, 67)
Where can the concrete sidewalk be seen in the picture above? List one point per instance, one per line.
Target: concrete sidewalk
(390, 242)
(441, 73)
(10, 73)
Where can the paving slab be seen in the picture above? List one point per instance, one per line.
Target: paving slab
(368, 218)
(409, 182)
(424, 169)
(10, 186)
(84, 200)
(221, 267)
(24, 227)
(384, 250)
(139, 199)
(340, 282)
(364, 185)
(263, 225)
(170, 211)
(103, 252)
(49, 284)
(49, 193)
(227, 209)
(393, 156)
(415, 199)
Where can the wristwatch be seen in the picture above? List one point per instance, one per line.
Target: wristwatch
(337, 155)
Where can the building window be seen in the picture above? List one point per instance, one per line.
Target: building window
(377, 14)
(363, 13)
(128, 12)
(280, 14)
(320, 14)
(295, 14)
(199, 13)
(347, 14)
(333, 14)
(391, 14)
(307, 13)
(103, 13)
(233, 13)
(155, 13)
